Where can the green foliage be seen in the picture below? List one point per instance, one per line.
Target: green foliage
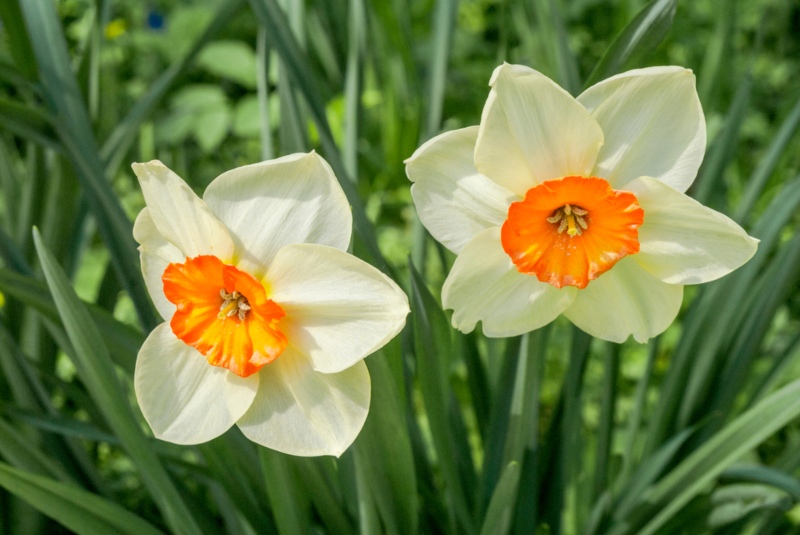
(550, 432)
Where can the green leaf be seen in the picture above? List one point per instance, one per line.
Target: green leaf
(78, 510)
(501, 507)
(279, 34)
(20, 44)
(432, 344)
(17, 449)
(28, 122)
(639, 38)
(764, 475)
(72, 123)
(96, 369)
(666, 498)
(290, 505)
(123, 341)
(119, 142)
(383, 453)
(233, 60)
(766, 165)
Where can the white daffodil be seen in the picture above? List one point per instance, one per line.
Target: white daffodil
(267, 318)
(557, 205)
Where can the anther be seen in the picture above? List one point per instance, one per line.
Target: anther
(233, 304)
(570, 219)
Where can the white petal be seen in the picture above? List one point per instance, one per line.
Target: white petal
(184, 398)
(339, 309)
(303, 412)
(532, 130)
(453, 200)
(180, 216)
(682, 241)
(653, 125)
(294, 199)
(626, 301)
(484, 285)
(155, 254)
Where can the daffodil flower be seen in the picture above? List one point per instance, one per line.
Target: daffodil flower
(557, 205)
(267, 317)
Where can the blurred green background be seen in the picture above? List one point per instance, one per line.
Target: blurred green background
(551, 432)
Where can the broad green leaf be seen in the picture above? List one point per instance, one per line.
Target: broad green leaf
(643, 35)
(94, 365)
(234, 60)
(80, 511)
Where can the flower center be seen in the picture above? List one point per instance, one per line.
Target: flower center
(224, 313)
(570, 218)
(571, 230)
(234, 304)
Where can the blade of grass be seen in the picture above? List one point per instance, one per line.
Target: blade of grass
(95, 368)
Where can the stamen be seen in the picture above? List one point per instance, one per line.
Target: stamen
(570, 218)
(233, 304)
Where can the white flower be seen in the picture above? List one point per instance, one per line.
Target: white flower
(557, 205)
(267, 318)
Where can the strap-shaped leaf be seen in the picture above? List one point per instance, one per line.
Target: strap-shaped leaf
(94, 365)
(643, 35)
(78, 510)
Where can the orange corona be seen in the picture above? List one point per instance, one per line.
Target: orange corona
(570, 231)
(224, 313)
